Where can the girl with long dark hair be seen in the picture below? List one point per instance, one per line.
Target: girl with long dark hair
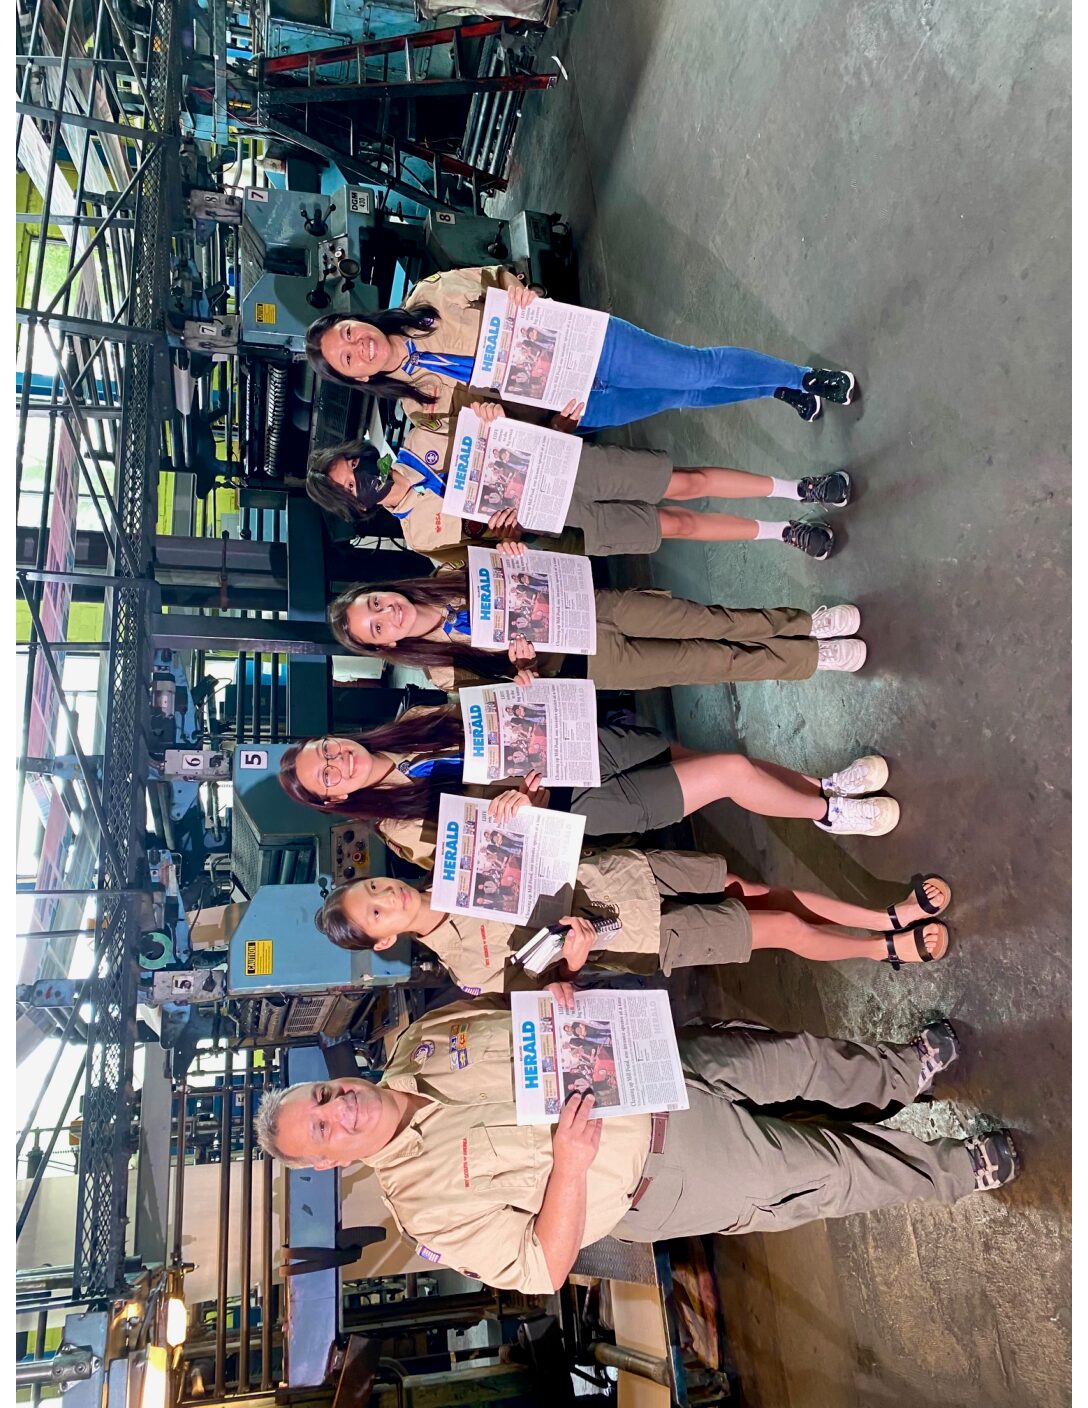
(624, 502)
(677, 909)
(393, 776)
(645, 639)
(421, 352)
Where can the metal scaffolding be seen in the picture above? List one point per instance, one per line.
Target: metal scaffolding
(97, 123)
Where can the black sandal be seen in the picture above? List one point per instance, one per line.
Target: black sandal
(924, 955)
(918, 890)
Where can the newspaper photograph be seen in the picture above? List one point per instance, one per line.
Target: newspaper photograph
(546, 598)
(491, 870)
(508, 464)
(619, 1047)
(543, 355)
(549, 726)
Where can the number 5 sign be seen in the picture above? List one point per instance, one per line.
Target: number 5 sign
(252, 758)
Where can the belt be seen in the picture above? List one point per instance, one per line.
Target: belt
(659, 1125)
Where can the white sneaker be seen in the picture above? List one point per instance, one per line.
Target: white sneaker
(862, 776)
(830, 622)
(846, 655)
(861, 816)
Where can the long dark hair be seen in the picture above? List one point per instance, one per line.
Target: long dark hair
(331, 921)
(370, 488)
(439, 590)
(434, 730)
(399, 322)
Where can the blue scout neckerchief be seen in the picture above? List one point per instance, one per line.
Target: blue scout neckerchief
(447, 365)
(457, 621)
(441, 769)
(436, 483)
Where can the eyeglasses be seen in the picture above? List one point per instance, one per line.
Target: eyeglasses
(331, 776)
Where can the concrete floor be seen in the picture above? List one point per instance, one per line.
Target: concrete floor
(880, 186)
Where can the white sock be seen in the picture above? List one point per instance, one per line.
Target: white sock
(770, 530)
(784, 488)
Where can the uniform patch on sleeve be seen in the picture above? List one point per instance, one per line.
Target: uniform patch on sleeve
(431, 457)
(422, 1051)
(432, 278)
(472, 992)
(426, 1253)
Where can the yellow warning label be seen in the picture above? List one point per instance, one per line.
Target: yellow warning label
(258, 958)
(266, 313)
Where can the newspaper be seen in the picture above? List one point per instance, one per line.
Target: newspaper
(546, 598)
(618, 1046)
(508, 464)
(496, 870)
(548, 727)
(543, 355)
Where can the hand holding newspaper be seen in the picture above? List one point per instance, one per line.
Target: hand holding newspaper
(549, 726)
(619, 1047)
(494, 870)
(546, 598)
(509, 464)
(543, 355)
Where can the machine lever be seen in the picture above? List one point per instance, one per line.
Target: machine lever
(318, 224)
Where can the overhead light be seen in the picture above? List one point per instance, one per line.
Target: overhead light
(177, 1322)
(153, 1388)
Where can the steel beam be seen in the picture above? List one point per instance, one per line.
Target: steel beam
(87, 327)
(418, 87)
(91, 124)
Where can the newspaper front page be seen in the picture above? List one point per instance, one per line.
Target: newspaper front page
(618, 1046)
(548, 727)
(543, 355)
(493, 870)
(546, 598)
(508, 464)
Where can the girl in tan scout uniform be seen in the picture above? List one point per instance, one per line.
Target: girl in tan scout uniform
(673, 913)
(645, 639)
(394, 775)
(418, 353)
(624, 501)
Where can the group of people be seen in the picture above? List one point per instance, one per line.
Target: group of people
(518, 1202)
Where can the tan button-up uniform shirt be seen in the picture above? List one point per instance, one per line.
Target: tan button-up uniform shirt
(442, 537)
(413, 838)
(477, 952)
(458, 297)
(464, 1180)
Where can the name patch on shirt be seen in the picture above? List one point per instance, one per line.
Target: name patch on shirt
(464, 1161)
(427, 1254)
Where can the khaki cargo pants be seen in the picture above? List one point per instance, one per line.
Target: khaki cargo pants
(650, 640)
(728, 1167)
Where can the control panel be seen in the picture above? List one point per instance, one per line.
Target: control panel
(350, 852)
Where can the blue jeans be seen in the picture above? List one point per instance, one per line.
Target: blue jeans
(639, 375)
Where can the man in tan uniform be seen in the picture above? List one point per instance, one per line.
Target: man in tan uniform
(512, 1204)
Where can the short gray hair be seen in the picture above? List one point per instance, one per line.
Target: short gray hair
(265, 1126)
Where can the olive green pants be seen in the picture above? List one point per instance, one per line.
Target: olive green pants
(650, 640)
(728, 1167)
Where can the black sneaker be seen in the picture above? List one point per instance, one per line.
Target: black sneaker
(938, 1047)
(833, 489)
(837, 387)
(808, 407)
(816, 539)
(996, 1159)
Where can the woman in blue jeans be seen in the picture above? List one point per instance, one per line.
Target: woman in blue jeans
(420, 353)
